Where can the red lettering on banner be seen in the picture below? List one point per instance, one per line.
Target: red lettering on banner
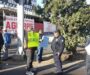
(11, 23)
(28, 25)
(14, 25)
(8, 25)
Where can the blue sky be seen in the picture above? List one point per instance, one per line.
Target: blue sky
(39, 2)
(88, 1)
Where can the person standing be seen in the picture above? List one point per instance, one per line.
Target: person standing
(7, 42)
(30, 52)
(25, 45)
(57, 46)
(1, 42)
(17, 44)
(87, 48)
(40, 49)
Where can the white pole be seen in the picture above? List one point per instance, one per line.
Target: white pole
(4, 25)
(20, 25)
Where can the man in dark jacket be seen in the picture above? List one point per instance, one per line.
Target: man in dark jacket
(57, 46)
(1, 42)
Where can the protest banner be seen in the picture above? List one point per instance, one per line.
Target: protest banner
(11, 23)
(49, 27)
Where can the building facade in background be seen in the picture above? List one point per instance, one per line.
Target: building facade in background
(8, 17)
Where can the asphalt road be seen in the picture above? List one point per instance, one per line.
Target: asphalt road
(21, 71)
(14, 67)
(46, 68)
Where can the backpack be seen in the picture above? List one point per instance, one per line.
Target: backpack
(7, 38)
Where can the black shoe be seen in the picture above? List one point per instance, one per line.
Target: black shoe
(42, 60)
(39, 61)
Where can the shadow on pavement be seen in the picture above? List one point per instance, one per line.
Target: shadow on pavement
(74, 67)
(55, 74)
(48, 58)
(13, 63)
(45, 67)
(66, 70)
(50, 74)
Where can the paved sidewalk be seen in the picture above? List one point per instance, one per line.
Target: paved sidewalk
(80, 71)
(45, 68)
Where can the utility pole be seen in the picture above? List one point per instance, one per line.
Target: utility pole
(20, 24)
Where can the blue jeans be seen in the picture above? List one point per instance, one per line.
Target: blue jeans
(39, 54)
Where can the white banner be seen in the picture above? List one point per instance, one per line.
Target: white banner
(11, 23)
(49, 27)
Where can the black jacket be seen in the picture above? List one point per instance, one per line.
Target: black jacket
(1, 39)
(57, 44)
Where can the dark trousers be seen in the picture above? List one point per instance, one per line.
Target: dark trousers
(0, 51)
(88, 64)
(30, 58)
(5, 56)
(58, 63)
(40, 52)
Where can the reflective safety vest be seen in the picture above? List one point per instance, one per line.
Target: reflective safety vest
(33, 39)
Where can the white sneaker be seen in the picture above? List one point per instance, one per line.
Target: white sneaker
(29, 73)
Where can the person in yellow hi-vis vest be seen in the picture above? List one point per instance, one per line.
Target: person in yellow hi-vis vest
(32, 42)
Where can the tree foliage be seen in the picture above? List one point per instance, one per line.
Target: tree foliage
(72, 17)
(38, 10)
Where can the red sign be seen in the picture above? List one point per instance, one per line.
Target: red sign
(11, 23)
(39, 26)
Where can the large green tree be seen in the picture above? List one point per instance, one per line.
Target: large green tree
(72, 17)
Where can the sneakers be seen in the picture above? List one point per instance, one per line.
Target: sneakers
(30, 73)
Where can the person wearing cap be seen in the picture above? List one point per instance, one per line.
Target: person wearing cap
(57, 47)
